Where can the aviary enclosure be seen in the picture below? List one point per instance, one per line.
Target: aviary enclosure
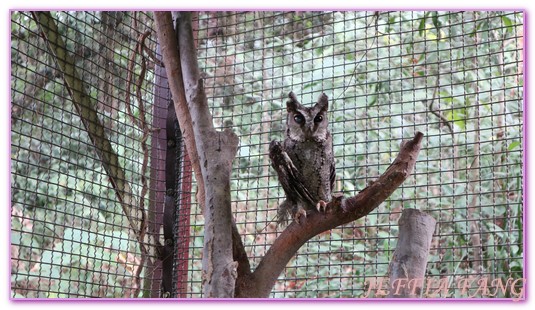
(106, 194)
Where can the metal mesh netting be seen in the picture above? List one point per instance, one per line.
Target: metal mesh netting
(69, 235)
(455, 76)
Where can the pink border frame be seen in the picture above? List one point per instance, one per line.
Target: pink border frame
(525, 189)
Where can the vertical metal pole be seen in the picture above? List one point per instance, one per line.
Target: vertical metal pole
(183, 219)
(183, 225)
(170, 196)
(157, 188)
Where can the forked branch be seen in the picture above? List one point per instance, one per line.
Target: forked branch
(340, 211)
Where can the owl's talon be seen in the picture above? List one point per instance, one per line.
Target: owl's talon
(298, 214)
(321, 206)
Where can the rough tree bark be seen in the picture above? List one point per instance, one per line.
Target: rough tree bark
(407, 268)
(225, 262)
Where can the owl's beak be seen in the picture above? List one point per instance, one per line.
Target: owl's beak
(309, 129)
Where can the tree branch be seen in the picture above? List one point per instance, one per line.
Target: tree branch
(339, 211)
(85, 108)
(171, 59)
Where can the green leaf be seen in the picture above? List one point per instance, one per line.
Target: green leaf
(513, 145)
(458, 116)
(421, 27)
(373, 101)
(515, 250)
(383, 234)
(508, 23)
(348, 186)
(309, 85)
(115, 240)
(71, 234)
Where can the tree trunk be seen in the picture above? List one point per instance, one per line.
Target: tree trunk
(407, 269)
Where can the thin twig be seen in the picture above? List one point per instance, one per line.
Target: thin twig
(141, 123)
(437, 113)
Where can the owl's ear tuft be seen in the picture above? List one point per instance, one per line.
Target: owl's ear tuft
(292, 104)
(323, 103)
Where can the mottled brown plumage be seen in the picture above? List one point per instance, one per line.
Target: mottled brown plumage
(304, 161)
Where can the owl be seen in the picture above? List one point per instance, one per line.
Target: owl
(304, 162)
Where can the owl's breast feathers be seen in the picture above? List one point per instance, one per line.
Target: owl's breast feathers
(314, 160)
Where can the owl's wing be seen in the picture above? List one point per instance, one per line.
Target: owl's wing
(289, 177)
(332, 176)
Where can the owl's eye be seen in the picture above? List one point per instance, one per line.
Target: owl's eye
(299, 119)
(318, 119)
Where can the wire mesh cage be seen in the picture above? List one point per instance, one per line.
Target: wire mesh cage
(455, 76)
(69, 235)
